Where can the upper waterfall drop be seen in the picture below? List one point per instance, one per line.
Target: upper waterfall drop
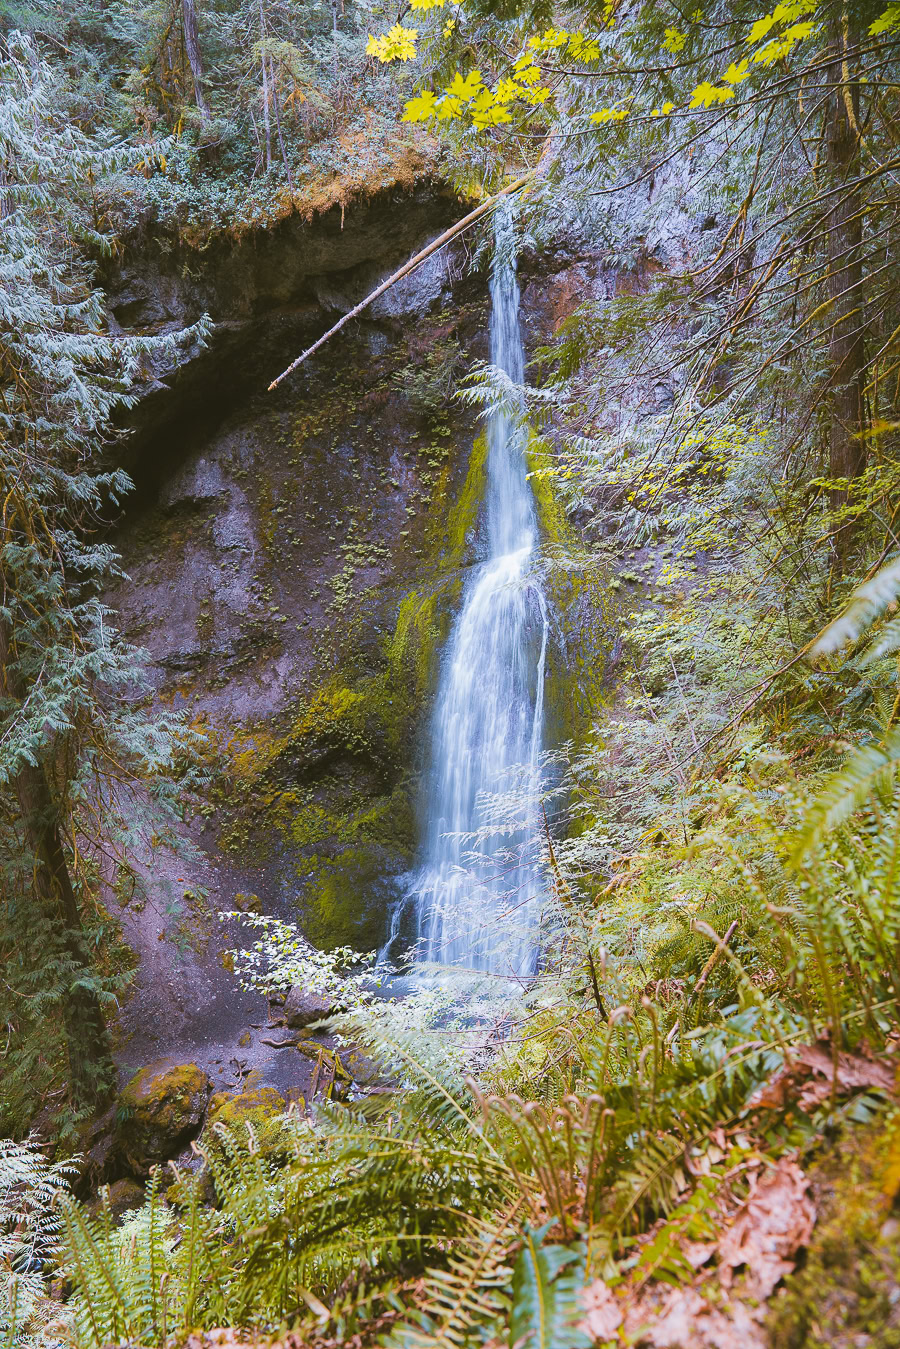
(487, 731)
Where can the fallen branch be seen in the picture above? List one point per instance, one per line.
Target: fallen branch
(405, 270)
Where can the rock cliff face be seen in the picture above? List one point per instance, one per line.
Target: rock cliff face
(294, 561)
(266, 293)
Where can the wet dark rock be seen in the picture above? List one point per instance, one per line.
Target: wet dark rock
(268, 294)
(97, 1150)
(363, 1071)
(302, 1008)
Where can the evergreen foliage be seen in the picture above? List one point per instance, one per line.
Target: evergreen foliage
(73, 741)
(237, 112)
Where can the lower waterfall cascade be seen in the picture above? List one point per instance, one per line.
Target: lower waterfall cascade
(478, 891)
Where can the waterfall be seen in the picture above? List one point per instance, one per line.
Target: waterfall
(488, 720)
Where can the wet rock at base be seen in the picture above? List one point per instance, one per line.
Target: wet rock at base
(96, 1157)
(121, 1196)
(160, 1109)
(302, 1008)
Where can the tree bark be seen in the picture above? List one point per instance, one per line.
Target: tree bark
(284, 158)
(267, 123)
(847, 451)
(91, 1072)
(195, 60)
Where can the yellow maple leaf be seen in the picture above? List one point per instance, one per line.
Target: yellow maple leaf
(398, 44)
(782, 46)
(786, 12)
(706, 95)
(760, 29)
(736, 72)
(552, 39)
(506, 91)
(420, 108)
(427, 4)
(583, 49)
(530, 75)
(608, 115)
(483, 100)
(467, 88)
(485, 112)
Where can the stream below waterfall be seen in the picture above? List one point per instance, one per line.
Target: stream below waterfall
(477, 892)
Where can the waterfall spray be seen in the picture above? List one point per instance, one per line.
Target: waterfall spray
(488, 719)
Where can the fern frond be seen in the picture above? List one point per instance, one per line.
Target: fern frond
(868, 771)
(469, 1293)
(867, 603)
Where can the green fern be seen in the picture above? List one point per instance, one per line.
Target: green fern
(466, 1300)
(546, 1282)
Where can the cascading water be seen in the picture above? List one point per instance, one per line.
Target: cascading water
(488, 720)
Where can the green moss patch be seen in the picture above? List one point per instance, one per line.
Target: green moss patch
(848, 1291)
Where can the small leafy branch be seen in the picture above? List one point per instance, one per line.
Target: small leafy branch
(282, 958)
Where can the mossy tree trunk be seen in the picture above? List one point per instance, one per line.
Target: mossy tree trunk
(192, 49)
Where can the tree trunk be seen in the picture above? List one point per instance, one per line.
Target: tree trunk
(192, 47)
(91, 1072)
(267, 123)
(284, 158)
(847, 451)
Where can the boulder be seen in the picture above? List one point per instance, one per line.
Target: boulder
(121, 1196)
(302, 1008)
(258, 1111)
(159, 1110)
(256, 1107)
(96, 1157)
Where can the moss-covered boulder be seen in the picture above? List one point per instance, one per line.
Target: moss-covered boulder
(119, 1197)
(160, 1110)
(256, 1111)
(256, 1107)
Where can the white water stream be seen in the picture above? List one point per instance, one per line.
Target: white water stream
(488, 722)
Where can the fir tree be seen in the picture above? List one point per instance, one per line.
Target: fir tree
(68, 732)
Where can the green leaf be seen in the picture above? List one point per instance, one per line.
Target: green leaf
(545, 1302)
(886, 22)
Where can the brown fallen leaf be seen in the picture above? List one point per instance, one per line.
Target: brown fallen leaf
(685, 1320)
(854, 1071)
(810, 1076)
(604, 1312)
(719, 1311)
(773, 1222)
